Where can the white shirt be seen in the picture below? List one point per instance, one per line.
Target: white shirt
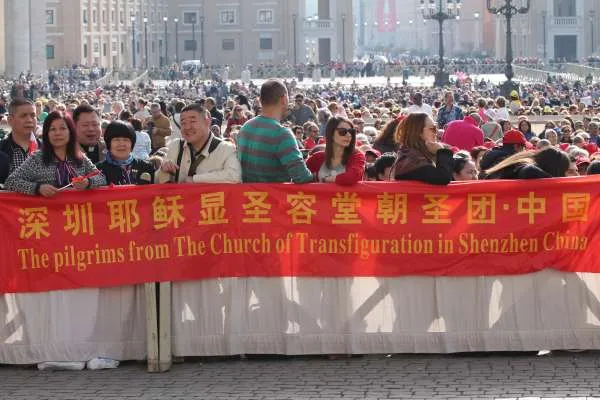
(424, 108)
(143, 146)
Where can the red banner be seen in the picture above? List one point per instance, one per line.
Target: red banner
(386, 15)
(129, 235)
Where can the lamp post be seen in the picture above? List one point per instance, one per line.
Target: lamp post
(343, 38)
(294, 17)
(509, 10)
(176, 40)
(592, 17)
(166, 19)
(544, 16)
(202, 39)
(146, 41)
(133, 41)
(410, 24)
(442, 11)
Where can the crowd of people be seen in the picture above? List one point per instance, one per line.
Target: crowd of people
(211, 132)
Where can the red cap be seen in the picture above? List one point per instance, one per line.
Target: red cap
(582, 160)
(514, 137)
(376, 153)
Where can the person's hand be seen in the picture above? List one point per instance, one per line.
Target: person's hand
(433, 147)
(329, 179)
(48, 190)
(169, 167)
(81, 184)
(154, 131)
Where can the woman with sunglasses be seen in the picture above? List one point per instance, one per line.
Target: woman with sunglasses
(60, 164)
(420, 156)
(341, 162)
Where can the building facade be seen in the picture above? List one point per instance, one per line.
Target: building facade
(104, 33)
(261, 31)
(23, 37)
(554, 29)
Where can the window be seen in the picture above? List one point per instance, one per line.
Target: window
(94, 16)
(85, 51)
(96, 48)
(190, 18)
(265, 17)
(227, 17)
(103, 16)
(104, 48)
(565, 8)
(50, 17)
(228, 44)
(50, 52)
(266, 43)
(114, 46)
(85, 16)
(153, 46)
(113, 16)
(189, 45)
(122, 17)
(122, 48)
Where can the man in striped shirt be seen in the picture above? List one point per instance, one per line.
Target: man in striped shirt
(267, 151)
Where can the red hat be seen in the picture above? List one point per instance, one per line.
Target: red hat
(514, 137)
(582, 160)
(564, 146)
(591, 148)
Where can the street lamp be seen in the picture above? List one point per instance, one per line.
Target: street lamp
(146, 41)
(133, 40)
(477, 16)
(592, 18)
(294, 17)
(509, 10)
(166, 19)
(194, 37)
(176, 40)
(443, 11)
(202, 39)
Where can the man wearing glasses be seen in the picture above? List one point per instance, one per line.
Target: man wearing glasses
(301, 113)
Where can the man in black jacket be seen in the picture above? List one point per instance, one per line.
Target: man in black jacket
(513, 142)
(21, 142)
(211, 106)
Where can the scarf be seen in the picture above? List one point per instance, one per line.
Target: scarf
(125, 166)
(64, 173)
(409, 160)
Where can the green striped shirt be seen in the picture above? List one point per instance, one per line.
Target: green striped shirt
(269, 152)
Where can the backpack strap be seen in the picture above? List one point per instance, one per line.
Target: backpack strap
(214, 144)
(179, 158)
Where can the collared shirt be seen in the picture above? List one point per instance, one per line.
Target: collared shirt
(17, 154)
(445, 116)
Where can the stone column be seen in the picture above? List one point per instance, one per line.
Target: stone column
(25, 36)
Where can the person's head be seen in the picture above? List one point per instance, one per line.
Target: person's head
(579, 141)
(215, 130)
(299, 100)
(477, 118)
(210, 103)
(542, 144)
(514, 139)
(359, 123)
(87, 122)
(155, 111)
(415, 131)
(572, 169)
(125, 115)
(58, 132)
(388, 133)
(418, 98)
(501, 102)
(22, 117)
(195, 123)
(464, 169)
(506, 125)
(594, 168)
(274, 97)
(383, 166)
(582, 164)
(120, 138)
(594, 128)
(298, 132)
(552, 136)
(449, 98)
(311, 130)
(136, 123)
(525, 126)
(481, 103)
(39, 107)
(553, 161)
(238, 112)
(339, 134)
(141, 103)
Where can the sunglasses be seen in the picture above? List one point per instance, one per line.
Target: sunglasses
(346, 131)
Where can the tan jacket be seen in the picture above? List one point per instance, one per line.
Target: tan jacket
(162, 129)
(220, 166)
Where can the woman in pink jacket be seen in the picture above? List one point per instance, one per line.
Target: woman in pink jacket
(341, 162)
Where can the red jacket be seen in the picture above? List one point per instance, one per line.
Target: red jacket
(355, 169)
(463, 134)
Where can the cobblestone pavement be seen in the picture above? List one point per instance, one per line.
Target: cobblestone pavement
(475, 376)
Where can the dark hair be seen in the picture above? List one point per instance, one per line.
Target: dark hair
(387, 160)
(330, 129)
(119, 129)
(408, 133)
(459, 164)
(271, 92)
(83, 109)
(73, 150)
(386, 135)
(16, 103)
(594, 168)
(136, 123)
(125, 115)
(197, 107)
(551, 160)
(179, 105)
(475, 151)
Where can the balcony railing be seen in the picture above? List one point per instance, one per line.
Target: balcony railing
(565, 22)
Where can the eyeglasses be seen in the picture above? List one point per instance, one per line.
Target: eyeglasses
(346, 131)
